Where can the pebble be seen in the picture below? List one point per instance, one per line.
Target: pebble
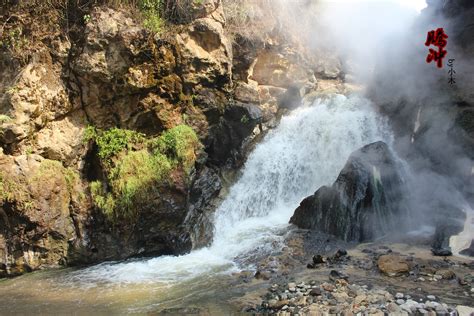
(393, 308)
(346, 299)
(315, 292)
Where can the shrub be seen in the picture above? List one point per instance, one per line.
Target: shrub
(180, 143)
(113, 141)
(9, 189)
(90, 133)
(102, 199)
(153, 22)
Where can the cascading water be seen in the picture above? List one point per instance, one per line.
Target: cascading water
(307, 150)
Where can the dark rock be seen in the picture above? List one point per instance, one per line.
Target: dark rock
(204, 190)
(469, 251)
(228, 136)
(449, 222)
(337, 275)
(318, 259)
(340, 253)
(315, 292)
(442, 252)
(363, 203)
(262, 275)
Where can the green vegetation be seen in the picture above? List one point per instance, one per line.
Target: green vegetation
(52, 169)
(152, 12)
(136, 167)
(9, 189)
(90, 133)
(4, 118)
(13, 39)
(15, 190)
(244, 119)
(180, 143)
(112, 141)
(86, 18)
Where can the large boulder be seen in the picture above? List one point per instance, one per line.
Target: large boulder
(41, 210)
(363, 203)
(393, 265)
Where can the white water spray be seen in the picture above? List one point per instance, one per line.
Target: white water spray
(307, 150)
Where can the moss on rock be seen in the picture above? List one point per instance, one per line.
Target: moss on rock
(136, 168)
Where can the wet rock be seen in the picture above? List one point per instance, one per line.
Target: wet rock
(229, 134)
(393, 265)
(336, 275)
(340, 253)
(449, 222)
(318, 259)
(363, 202)
(263, 275)
(315, 292)
(442, 252)
(468, 251)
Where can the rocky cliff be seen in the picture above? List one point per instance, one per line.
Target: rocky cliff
(114, 137)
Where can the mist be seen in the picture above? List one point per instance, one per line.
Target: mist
(381, 46)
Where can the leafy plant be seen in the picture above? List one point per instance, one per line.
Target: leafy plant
(113, 141)
(86, 18)
(90, 133)
(152, 12)
(153, 22)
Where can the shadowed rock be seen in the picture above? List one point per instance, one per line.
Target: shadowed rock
(363, 203)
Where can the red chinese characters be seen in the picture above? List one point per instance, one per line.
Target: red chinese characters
(438, 39)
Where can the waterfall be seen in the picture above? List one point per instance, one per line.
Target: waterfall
(308, 149)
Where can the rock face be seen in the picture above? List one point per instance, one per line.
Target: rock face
(40, 215)
(363, 203)
(106, 72)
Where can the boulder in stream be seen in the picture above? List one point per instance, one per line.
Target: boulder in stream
(363, 203)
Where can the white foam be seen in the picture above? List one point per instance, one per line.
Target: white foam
(307, 150)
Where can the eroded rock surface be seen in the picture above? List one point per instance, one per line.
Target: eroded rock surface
(363, 203)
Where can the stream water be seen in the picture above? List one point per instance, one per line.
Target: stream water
(306, 150)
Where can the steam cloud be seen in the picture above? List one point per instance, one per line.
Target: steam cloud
(381, 45)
